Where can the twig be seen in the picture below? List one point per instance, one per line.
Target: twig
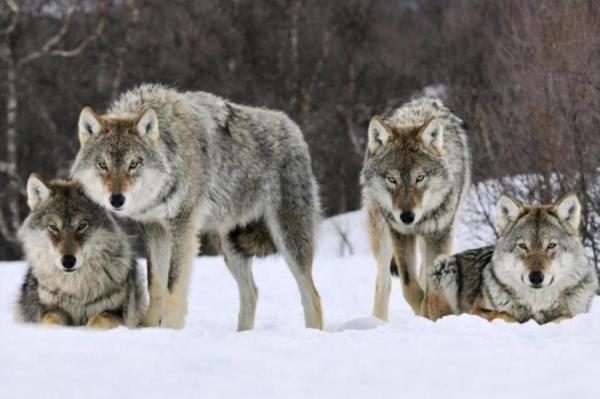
(14, 21)
(48, 47)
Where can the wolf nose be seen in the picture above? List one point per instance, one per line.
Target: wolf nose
(68, 261)
(536, 277)
(117, 200)
(407, 217)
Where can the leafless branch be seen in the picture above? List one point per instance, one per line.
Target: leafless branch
(48, 47)
(133, 15)
(14, 20)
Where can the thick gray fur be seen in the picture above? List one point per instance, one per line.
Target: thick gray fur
(106, 279)
(242, 172)
(488, 279)
(418, 160)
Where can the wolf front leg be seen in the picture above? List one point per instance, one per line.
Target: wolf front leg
(158, 249)
(404, 247)
(381, 246)
(432, 246)
(184, 248)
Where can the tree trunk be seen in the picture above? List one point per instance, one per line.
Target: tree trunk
(11, 142)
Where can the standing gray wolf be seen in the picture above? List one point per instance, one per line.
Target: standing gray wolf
(188, 162)
(416, 174)
(537, 269)
(81, 267)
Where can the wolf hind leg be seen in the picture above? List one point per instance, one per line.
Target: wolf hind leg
(442, 293)
(293, 234)
(240, 267)
(381, 247)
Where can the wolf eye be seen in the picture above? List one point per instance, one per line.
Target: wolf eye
(523, 246)
(102, 165)
(391, 179)
(53, 228)
(552, 245)
(134, 164)
(420, 178)
(82, 226)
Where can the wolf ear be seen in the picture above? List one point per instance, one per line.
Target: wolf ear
(508, 210)
(432, 135)
(379, 134)
(37, 191)
(89, 125)
(568, 209)
(147, 125)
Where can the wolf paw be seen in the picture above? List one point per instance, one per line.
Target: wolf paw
(153, 317)
(103, 322)
(52, 319)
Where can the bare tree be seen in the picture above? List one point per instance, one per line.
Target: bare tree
(11, 40)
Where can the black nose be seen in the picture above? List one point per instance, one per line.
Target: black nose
(68, 261)
(407, 217)
(117, 200)
(536, 277)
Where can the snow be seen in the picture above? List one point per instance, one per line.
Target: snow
(356, 356)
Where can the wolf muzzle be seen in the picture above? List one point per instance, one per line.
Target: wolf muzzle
(407, 217)
(536, 278)
(117, 200)
(68, 262)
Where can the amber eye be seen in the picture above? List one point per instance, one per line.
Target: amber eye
(391, 179)
(82, 226)
(53, 228)
(134, 164)
(522, 246)
(102, 165)
(552, 245)
(420, 178)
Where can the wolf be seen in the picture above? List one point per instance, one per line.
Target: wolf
(537, 270)
(416, 174)
(82, 271)
(182, 163)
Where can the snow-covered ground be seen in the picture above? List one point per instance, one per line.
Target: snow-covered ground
(356, 357)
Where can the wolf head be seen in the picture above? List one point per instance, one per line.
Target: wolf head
(63, 224)
(117, 163)
(404, 170)
(539, 245)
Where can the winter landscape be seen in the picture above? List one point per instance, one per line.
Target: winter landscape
(356, 356)
(522, 75)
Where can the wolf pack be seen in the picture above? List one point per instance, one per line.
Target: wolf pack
(186, 163)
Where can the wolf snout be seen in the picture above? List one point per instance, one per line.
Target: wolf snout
(536, 278)
(117, 200)
(407, 217)
(68, 262)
